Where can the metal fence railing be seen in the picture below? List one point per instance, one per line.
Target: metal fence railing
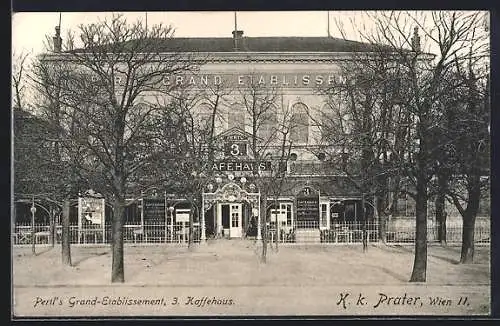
(149, 233)
(311, 232)
(302, 232)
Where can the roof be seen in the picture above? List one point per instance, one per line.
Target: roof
(265, 44)
(259, 44)
(330, 186)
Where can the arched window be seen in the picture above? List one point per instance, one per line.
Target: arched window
(204, 116)
(300, 123)
(236, 117)
(268, 124)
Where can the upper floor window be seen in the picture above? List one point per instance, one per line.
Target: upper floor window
(236, 117)
(204, 117)
(268, 124)
(300, 124)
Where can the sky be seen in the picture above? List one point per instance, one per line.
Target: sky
(29, 29)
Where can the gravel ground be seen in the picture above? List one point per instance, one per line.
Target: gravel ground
(296, 280)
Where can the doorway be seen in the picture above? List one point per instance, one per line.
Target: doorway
(231, 218)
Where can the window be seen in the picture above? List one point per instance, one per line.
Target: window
(300, 124)
(286, 208)
(204, 117)
(236, 118)
(235, 216)
(269, 121)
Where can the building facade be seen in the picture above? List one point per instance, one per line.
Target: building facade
(269, 164)
(278, 79)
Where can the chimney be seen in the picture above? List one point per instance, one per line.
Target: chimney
(237, 40)
(57, 40)
(415, 40)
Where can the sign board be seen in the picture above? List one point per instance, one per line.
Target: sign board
(278, 79)
(182, 215)
(91, 211)
(236, 149)
(307, 207)
(241, 166)
(235, 137)
(154, 209)
(91, 217)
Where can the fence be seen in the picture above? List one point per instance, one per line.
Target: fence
(150, 233)
(304, 232)
(310, 232)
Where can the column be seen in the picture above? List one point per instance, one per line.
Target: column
(203, 239)
(219, 220)
(259, 235)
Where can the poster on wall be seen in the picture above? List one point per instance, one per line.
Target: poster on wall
(307, 207)
(154, 210)
(91, 217)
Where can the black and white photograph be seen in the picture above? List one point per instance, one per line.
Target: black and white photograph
(250, 163)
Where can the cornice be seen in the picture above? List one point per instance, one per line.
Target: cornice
(253, 57)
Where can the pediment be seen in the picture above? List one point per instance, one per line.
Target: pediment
(235, 133)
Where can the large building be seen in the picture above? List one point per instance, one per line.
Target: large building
(274, 81)
(287, 71)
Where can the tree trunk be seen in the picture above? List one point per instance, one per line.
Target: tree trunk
(442, 229)
(381, 218)
(117, 268)
(52, 227)
(365, 231)
(420, 262)
(469, 220)
(395, 197)
(190, 229)
(65, 236)
(467, 254)
(263, 218)
(440, 208)
(441, 217)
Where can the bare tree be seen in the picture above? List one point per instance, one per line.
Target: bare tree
(449, 33)
(109, 89)
(364, 128)
(19, 80)
(195, 115)
(468, 157)
(261, 111)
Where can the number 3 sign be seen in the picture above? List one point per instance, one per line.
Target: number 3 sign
(236, 149)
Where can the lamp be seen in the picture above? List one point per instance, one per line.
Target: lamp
(243, 180)
(230, 177)
(218, 179)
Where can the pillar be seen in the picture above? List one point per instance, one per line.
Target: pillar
(219, 220)
(259, 234)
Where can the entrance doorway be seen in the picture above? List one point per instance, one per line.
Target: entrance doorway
(231, 218)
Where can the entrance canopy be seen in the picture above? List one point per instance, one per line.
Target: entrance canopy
(230, 192)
